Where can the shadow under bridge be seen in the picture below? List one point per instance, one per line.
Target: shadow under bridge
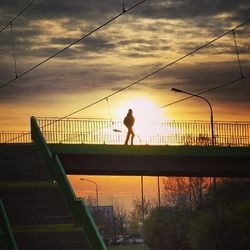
(138, 160)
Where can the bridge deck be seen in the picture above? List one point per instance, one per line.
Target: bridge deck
(154, 160)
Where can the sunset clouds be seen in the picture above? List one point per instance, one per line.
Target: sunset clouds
(149, 37)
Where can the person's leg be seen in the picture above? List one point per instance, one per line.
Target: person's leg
(127, 138)
(132, 136)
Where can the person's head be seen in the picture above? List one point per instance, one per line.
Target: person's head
(130, 111)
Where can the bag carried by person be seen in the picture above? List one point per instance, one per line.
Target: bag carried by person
(126, 121)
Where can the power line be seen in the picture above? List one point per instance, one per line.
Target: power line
(70, 45)
(208, 90)
(27, 6)
(19, 136)
(169, 104)
(153, 73)
(157, 71)
(237, 53)
(13, 48)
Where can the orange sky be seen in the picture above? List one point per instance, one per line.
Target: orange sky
(119, 188)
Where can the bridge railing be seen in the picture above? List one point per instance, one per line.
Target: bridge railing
(14, 137)
(102, 131)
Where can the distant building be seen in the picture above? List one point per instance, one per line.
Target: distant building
(106, 211)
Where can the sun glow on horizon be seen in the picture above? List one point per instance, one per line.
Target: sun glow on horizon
(143, 108)
(145, 113)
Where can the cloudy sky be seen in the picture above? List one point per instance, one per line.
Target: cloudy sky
(139, 42)
(136, 44)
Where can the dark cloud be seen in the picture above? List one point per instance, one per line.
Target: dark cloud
(214, 49)
(200, 14)
(199, 76)
(63, 79)
(82, 16)
(154, 9)
(52, 10)
(238, 92)
(73, 15)
(190, 9)
(98, 44)
(138, 55)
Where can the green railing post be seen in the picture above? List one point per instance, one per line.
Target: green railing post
(5, 229)
(78, 208)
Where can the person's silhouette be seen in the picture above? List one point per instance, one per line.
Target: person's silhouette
(129, 121)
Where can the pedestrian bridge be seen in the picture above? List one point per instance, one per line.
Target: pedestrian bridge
(95, 147)
(153, 160)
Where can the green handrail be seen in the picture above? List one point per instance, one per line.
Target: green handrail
(77, 206)
(6, 229)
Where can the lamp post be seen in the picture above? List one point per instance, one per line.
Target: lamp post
(143, 211)
(211, 110)
(159, 191)
(213, 142)
(96, 189)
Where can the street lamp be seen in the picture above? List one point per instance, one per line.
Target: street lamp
(159, 191)
(142, 209)
(211, 110)
(96, 189)
(212, 136)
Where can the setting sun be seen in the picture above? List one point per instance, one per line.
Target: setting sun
(145, 113)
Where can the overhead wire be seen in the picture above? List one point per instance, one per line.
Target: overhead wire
(164, 106)
(17, 15)
(109, 109)
(208, 90)
(13, 48)
(152, 73)
(71, 44)
(159, 70)
(237, 53)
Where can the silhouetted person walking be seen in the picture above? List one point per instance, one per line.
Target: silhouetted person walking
(129, 121)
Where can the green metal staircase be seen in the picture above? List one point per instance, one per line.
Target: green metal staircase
(42, 208)
(6, 234)
(78, 208)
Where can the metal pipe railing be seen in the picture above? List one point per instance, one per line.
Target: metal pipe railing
(101, 131)
(78, 207)
(14, 137)
(5, 229)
